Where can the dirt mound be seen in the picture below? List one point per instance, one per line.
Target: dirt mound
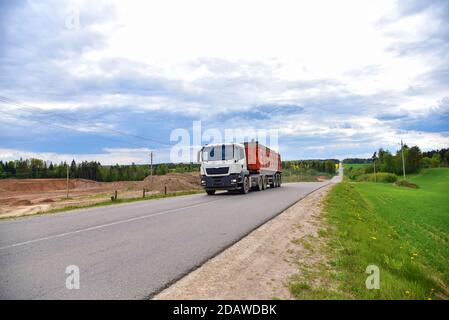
(407, 184)
(22, 203)
(32, 185)
(20, 196)
(174, 182)
(47, 201)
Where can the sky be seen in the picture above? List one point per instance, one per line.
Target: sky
(110, 81)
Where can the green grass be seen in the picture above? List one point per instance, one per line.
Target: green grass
(308, 176)
(352, 171)
(356, 165)
(298, 178)
(403, 231)
(378, 177)
(420, 216)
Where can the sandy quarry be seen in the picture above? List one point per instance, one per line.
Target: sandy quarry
(28, 196)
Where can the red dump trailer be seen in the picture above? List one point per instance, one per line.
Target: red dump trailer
(262, 159)
(236, 166)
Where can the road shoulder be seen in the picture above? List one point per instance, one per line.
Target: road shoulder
(261, 265)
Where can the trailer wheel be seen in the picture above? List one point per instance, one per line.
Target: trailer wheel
(245, 186)
(210, 192)
(259, 184)
(273, 182)
(276, 180)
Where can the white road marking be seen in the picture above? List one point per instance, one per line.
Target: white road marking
(60, 235)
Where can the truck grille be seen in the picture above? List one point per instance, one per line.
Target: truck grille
(217, 182)
(221, 170)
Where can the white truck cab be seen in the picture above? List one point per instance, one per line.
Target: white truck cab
(224, 166)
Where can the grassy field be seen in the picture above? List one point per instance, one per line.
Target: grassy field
(355, 165)
(403, 231)
(305, 177)
(353, 170)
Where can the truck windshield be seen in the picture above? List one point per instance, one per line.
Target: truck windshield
(214, 153)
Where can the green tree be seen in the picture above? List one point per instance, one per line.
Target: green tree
(162, 169)
(413, 159)
(73, 171)
(23, 170)
(436, 159)
(426, 162)
(446, 157)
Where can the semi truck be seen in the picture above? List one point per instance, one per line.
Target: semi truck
(239, 166)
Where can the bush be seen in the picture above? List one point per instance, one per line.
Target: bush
(380, 177)
(405, 183)
(426, 162)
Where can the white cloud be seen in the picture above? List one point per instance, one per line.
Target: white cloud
(110, 156)
(345, 63)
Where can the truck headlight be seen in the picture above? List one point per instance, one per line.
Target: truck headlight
(234, 180)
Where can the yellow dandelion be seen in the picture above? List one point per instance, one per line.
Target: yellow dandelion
(407, 292)
(374, 238)
(429, 298)
(415, 254)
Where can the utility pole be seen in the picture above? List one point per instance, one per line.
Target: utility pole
(67, 196)
(403, 162)
(151, 168)
(374, 163)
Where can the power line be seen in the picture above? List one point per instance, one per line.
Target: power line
(70, 128)
(25, 107)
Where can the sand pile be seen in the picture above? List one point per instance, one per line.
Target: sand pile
(174, 182)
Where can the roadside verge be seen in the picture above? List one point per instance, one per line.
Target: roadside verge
(260, 265)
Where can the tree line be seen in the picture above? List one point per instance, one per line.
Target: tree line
(36, 168)
(319, 166)
(357, 160)
(414, 160)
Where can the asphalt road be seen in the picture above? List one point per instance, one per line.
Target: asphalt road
(129, 251)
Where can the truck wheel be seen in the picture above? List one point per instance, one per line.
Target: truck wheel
(210, 192)
(245, 186)
(279, 180)
(259, 184)
(264, 183)
(273, 182)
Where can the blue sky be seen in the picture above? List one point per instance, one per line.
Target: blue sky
(110, 81)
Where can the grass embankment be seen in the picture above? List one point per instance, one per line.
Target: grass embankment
(128, 200)
(404, 231)
(111, 202)
(356, 166)
(306, 176)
